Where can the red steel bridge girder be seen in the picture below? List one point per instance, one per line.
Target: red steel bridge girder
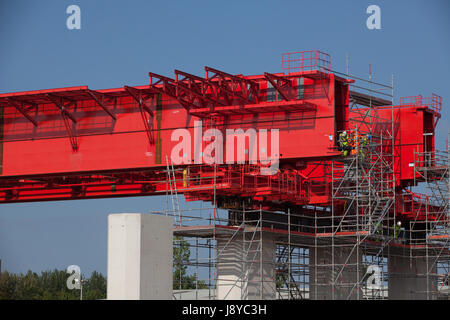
(219, 94)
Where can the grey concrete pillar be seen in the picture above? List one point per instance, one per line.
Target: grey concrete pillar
(139, 257)
(240, 273)
(344, 274)
(408, 278)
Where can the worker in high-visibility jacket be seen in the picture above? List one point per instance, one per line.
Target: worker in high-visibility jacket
(185, 178)
(377, 230)
(343, 143)
(397, 229)
(362, 146)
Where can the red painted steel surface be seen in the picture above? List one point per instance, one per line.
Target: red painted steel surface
(77, 143)
(107, 144)
(414, 128)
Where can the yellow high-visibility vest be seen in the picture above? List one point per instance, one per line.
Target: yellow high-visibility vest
(185, 178)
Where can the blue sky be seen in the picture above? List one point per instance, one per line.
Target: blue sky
(120, 41)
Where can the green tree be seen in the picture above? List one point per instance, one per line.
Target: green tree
(8, 285)
(95, 287)
(281, 278)
(49, 285)
(181, 255)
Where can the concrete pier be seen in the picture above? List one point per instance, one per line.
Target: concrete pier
(408, 278)
(241, 275)
(344, 274)
(140, 257)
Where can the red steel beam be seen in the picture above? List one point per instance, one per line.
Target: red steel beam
(287, 106)
(281, 84)
(167, 86)
(249, 90)
(100, 99)
(59, 102)
(144, 110)
(198, 87)
(19, 107)
(136, 94)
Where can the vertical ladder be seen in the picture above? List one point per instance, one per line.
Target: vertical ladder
(253, 253)
(173, 191)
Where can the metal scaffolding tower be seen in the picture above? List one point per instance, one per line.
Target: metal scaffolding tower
(351, 248)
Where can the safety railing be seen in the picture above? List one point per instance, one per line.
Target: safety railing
(413, 203)
(433, 102)
(435, 160)
(305, 61)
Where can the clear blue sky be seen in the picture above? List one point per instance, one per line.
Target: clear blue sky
(120, 41)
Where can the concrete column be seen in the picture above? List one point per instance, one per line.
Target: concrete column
(322, 275)
(139, 257)
(240, 275)
(408, 278)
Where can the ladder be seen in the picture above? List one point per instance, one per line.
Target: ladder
(173, 191)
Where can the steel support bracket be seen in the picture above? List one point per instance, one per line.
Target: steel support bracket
(19, 106)
(59, 103)
(100, 100)
(146, 113)
(281, 84)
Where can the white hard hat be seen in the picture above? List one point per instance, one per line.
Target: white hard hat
(344, 132)
(399, 223)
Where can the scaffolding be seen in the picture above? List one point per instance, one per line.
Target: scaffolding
(347, 249)
(432, 236)
(228, 258)
(292, 269)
